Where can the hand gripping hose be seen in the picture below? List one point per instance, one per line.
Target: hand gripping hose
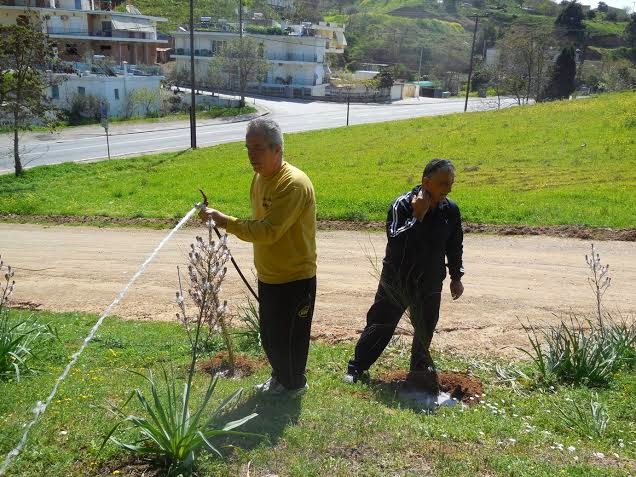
(201, 206)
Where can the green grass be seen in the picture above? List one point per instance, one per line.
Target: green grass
(335, 430)
(559, 163)
(212, 113)
(598, 28)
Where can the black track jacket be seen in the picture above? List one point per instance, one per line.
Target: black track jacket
(416, 251)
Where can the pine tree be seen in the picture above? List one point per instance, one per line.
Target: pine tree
(563, 75)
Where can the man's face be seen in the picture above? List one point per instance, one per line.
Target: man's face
(439, 185)
(265, 160)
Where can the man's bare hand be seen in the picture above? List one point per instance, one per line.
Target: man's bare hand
(456, 289)
(206, 214)
(421, 203)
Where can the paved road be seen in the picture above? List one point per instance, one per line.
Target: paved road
(89, 143)
(509, 280)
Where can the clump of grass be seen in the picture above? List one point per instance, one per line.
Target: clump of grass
(590, 421)
(251, 329)
(18, 339)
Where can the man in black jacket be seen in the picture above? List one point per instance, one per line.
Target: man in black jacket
(423, 228)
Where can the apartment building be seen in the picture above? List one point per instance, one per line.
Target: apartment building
(83, 28)
(296, 58)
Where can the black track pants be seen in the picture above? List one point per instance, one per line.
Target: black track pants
(382, 319)
(285, 312)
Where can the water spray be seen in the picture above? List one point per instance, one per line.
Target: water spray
(41, 406)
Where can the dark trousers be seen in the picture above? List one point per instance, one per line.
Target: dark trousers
(285, 312)
(382, 319)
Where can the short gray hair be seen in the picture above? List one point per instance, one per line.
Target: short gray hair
(270, 129)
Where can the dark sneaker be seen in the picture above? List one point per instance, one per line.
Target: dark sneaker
(298, 392)
(353, 376)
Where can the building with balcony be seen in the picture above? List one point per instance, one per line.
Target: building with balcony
(83, 28)
(296, 58)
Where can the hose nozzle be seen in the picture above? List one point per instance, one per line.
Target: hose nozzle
(203, 204)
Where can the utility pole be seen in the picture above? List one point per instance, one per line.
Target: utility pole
(193, 99)
(241, 19)
(472, 54)
(419, 69)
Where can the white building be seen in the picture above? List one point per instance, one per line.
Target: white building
(83, 28)
(296, 60)
(115, 90)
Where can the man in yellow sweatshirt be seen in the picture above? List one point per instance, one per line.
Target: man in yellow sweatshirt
(283, 231)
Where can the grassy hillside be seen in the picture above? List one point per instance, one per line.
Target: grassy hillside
(560, 163)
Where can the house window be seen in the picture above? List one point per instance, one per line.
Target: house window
(55, 92)
(116, 93)
(78, 4)
(81, 90)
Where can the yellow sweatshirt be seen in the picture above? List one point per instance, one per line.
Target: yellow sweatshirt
(283, 226)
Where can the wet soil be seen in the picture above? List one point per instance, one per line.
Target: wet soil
(461, 386)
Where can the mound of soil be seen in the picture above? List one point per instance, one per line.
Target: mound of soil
(220, 364)
(565, 231)
(460, 386)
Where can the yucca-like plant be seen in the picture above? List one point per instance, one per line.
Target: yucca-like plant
(168, 429)
(18, 338)
(570, 353)
(589, 421)
(248, 314)
(621, 336)
(585, 351)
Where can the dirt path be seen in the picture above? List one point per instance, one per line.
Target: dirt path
(508, 279)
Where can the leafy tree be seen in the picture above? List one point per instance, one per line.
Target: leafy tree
(602, 7)
(147, 99)
(591, 15)
(384, 79)
(571, 17)
(563, 75)
(611, 16)
(24, 52)
(241, 60)
(630, 31)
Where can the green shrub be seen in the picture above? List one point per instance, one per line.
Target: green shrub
(18, 338)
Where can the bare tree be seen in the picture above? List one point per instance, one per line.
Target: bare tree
(241, 59)
(24, 53)
(523, 63)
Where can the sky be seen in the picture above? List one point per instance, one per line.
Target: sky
(612, 3)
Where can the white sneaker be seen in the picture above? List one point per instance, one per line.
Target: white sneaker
(271, 386)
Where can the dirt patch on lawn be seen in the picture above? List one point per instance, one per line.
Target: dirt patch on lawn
(132, 467)
(461, 386)
(564, 231)
(244, 366)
